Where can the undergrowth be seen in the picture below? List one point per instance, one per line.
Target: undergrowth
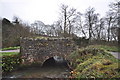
(94, 63)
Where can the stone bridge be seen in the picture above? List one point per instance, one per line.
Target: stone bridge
(39, 50)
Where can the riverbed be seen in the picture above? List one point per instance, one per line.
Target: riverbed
(40, 72)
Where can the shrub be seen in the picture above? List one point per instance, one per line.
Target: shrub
(81, 41)
(10, 62)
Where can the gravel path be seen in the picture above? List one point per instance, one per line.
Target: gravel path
(18, 50)
(116, 54)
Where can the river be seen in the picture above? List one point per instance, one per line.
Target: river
(33, 72)
(50, 69)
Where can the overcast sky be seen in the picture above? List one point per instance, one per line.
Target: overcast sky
(47, 11)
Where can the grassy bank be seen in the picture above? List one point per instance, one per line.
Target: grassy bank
(105, 47)
(11, 48)
(8, 53)
(94, 63)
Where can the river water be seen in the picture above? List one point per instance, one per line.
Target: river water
(50, 69)
(39, 72)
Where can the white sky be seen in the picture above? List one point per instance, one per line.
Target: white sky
(46, 11)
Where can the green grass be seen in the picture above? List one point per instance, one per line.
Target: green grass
(8, 53)
(105, 47)
(11, 48)
(94, 63)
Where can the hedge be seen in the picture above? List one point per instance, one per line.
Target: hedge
(10, 62)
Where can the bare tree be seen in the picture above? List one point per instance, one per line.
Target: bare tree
(38, 28)
(71, 19)
(113, 20)
(67, 17)
(64, 15)
(114, 32)
(100, 28)
(80, 28)
(115, 8)
(90, 20)
(109, 20)
(58, 28)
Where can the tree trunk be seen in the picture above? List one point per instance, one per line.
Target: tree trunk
(119, 37)
(65, 15)
(108, 34)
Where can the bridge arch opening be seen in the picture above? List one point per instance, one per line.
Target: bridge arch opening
(49, 62)
(56, 61)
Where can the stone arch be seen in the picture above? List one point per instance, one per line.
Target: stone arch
(39, 50)
(50, 61)
(52, 55)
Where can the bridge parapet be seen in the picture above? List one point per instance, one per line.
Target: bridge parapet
(38, 50)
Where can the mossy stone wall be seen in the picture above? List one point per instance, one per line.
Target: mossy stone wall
(39, 50)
